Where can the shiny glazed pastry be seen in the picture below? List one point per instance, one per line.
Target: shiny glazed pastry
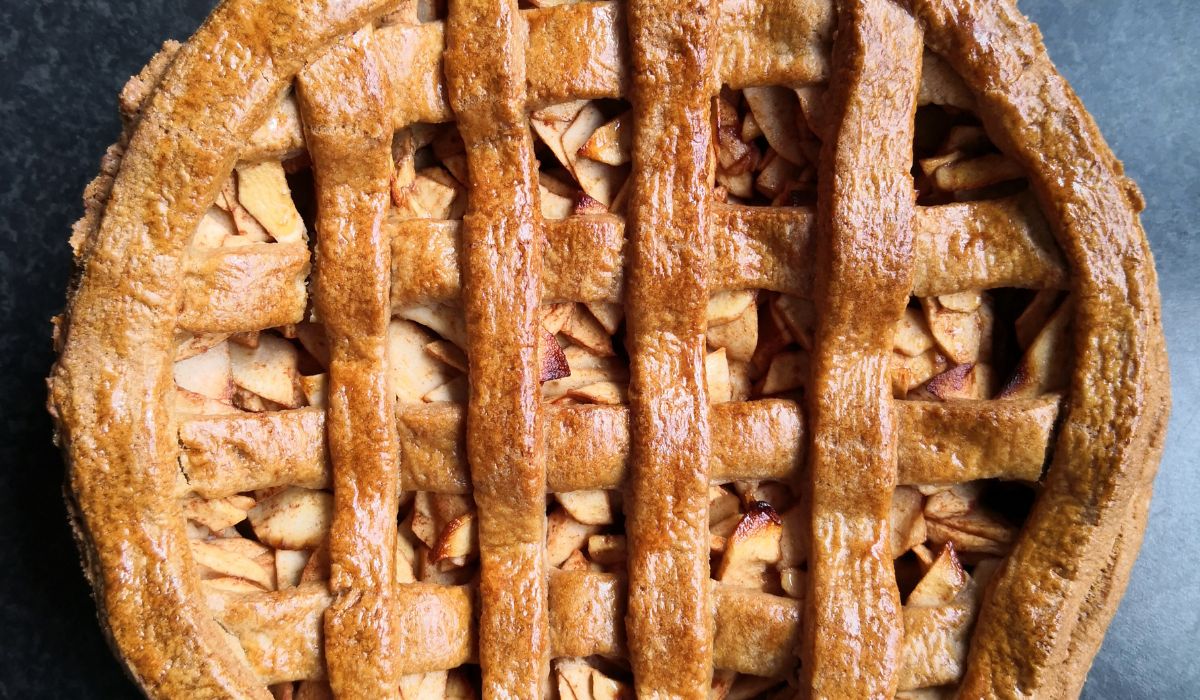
(609, 349)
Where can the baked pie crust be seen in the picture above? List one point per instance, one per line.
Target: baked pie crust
(738, 285)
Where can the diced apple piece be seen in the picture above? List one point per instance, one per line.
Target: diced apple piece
(912, 336)
(208, 374)
(611, 143)
(289, 565)
(412, 372)
(216, 560)
(217, 513)
(724, 307)
(721, 504)
(269, 370)
(588, 507)
(564, 535)
(294, 518)
(263, 191)
(774, 110)
(716, 372)
(969, 381)
(788, 372)
(215, 226)
(753, 546)
(453, 391)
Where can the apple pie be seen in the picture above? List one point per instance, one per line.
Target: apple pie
(526, 349)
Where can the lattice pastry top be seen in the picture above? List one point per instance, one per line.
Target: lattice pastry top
(828, 327)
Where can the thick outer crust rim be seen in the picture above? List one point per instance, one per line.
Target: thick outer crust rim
(1030, 633)
(109, 388)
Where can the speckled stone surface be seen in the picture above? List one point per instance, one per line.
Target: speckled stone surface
(1135, 64)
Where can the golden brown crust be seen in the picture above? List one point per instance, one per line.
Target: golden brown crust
(864, 272)
(858, 259)
(345, 106)
(502, 271)
(109, 387)
(666, 502)
(1105, 457)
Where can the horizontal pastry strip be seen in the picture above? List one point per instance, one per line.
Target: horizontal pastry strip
(966, 246)
(587, 446)
(576, 51)
(281, 630)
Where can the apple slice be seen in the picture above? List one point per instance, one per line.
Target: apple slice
(1045, 367)
(188, 344)
(607, 550)
(423, 686)
(458, 539)
(444, 320)
(412, 372)
(553, 361)
(585, 330)
(724, 307)
(550, 123)
(269, 370)
(208, 374)
(592, 507)
(716, 372)
(774, 108)
(738, 337)
(215, 226)
(788, 371)
(907, 520)
(289, 565)
(315, 389)
(751, 548)
(217, 513)
(263, 191)
(611, 143)
(294, 518)
(564, 535)
(215, 559)
(912, 335)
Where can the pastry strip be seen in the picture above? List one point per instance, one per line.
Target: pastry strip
(344, 112)
(281, 630)
(1111, 438)
(864, 273)
(587, 447)
(111, 386)
(670, 244)
(502, 270)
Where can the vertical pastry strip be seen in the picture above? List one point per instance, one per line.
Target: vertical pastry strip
(864, 274)
(502, 271)
(669, 621)
(345, 106)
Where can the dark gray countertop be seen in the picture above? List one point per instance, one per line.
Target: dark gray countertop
(1135, 64)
